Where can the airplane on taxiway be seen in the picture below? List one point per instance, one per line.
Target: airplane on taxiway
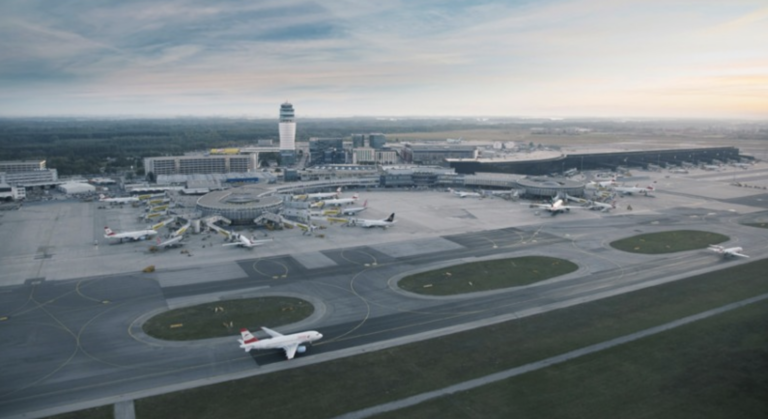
(557, 207)
(727, 252)
(291, 344)
(362, 222)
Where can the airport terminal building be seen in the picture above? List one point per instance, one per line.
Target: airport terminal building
(240, 205)
(542, 163)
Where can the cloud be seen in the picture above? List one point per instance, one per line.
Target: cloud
(486, 57)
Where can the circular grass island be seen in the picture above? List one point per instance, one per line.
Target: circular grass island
(669, 242)
(226, 318)
(486, 275)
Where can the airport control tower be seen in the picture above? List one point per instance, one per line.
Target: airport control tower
(287, 128)
(287, 135)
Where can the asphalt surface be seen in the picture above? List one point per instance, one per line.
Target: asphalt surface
(71, 334)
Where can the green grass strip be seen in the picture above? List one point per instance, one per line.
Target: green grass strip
(336, 387)
(669, 242)
(225, 318)
(486, 275)
(713, 368)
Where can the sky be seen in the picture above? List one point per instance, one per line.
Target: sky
(339, 58)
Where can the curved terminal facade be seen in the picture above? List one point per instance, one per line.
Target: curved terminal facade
(536, 164)
(240, 205)
(550, 187)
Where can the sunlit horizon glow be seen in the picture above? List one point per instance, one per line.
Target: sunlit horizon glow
(582, 58)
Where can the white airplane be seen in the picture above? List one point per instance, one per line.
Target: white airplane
(340, 201)
(461, 194)
(242, 241)
(604, 183)
(678, 170)
(125, 200)
(601, 206)
(355, 210)
(555, 208)
(727, 252)
(629, 190)
(324, 195)
(291, 344)
(132, 235)
(389, 221)
(172, 242)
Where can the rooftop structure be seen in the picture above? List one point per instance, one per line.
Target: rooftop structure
(22, 166)
(200, 164)
(240, 205)
(546, 162)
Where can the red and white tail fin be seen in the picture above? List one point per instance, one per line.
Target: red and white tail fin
(354, 196)
(365, 204)
(108, 231)
(247, 339)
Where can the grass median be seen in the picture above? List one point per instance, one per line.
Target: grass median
(336, 387)
(669, 241)
(225, 318)
(486, 275)
(713, 368)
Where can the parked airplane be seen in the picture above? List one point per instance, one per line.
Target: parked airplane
(511, 193)
(711, 167)
(125, 200)
(727, 252)
(387, 222)
(291, 344)
(555, 208)
(604, 183)
(241, 241)
(629, 190)
(462, 194)
(601, 206)
(355, 210)
(341, 201)
(172, 242)
(132, 235)
(678, 170)
(324, 195)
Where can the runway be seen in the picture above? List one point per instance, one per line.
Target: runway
(82, 340)
(70, 341)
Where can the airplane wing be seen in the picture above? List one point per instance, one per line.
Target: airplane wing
(741, 255)
(274, 334)
(290, 350)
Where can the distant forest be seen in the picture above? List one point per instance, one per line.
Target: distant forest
(94, 146)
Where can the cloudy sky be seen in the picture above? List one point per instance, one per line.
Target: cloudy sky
(642, 58)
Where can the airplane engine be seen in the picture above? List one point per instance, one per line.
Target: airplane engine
(301, 349)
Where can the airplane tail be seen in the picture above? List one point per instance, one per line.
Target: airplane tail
(365, 204)
(391, 218)
(247, 339)
(108, 231)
